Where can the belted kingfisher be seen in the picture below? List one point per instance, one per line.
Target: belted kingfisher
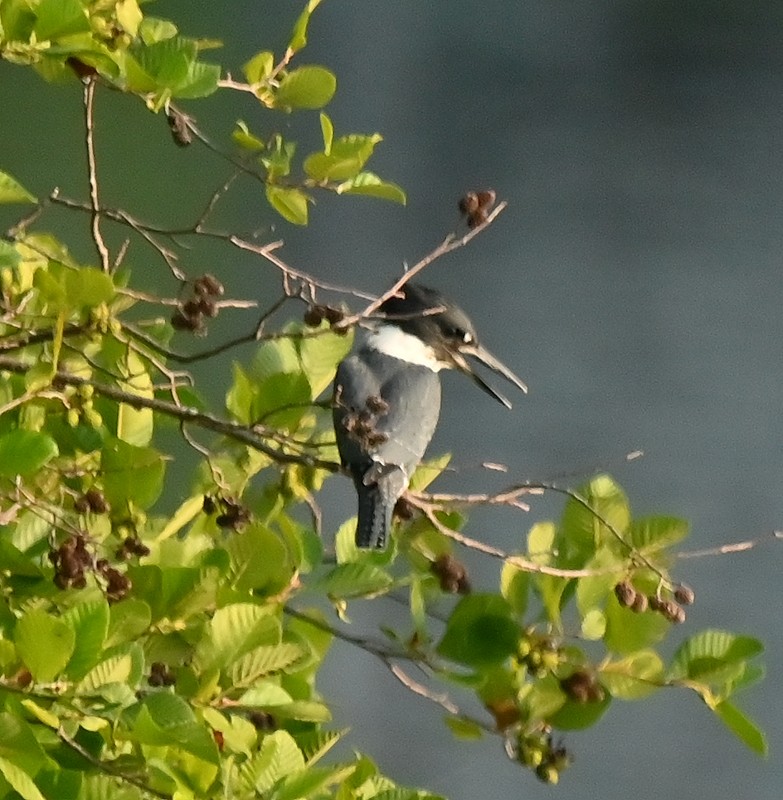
(387, 397)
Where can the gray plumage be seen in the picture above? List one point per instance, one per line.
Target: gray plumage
(380, 461)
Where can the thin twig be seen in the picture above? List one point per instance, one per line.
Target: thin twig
(733, 547)
(107, 768)
(89, 120)
(254, 438)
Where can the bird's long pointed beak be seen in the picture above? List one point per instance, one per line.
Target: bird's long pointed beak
(486, 358)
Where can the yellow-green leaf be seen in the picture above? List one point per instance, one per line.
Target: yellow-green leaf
(13, 192)
(291, 204)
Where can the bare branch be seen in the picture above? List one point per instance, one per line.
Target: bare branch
(89, 121)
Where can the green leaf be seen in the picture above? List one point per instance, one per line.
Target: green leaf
(45, 643)
(279, 756)
(355, 579)
(13, 192)
(327, 131)
(58, 18)
(465, 729)
(9, 255)
(166, 719)
(235, 630)
(346, 156)
(18, 743)
(428, 471)
(306, 87)
(656, 533)
(582, 532)
(481, 631)
(20, 781)
(259, 561)
(200, 81)
(127, 621)
(88, 287)
(90, 624)
(299, 33)
(291, 204)
(25, 452)
(370, 185)
(117, 668)
(320, 356)
(129, 16)
(244, 138)
(706, 655)
(131, 474)
(627, 632)
(153, 30)
(515, 587)
(574, 716)
(282, 400)
(633, 677)
(259, 67)
(742, 727)
(262, 661)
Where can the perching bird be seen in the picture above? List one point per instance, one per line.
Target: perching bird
(387, 397)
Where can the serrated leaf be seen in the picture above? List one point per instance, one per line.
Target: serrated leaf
(235, 630)
(115, 669)
(316, 743)
(45, 643)
(370, 185)
(13, 192)
(290, 203)
(742, 727)
(279, 756)
(262, 661)
(306, 87)
(25, 452)
(355, 579)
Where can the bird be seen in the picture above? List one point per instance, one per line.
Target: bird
(387, 394)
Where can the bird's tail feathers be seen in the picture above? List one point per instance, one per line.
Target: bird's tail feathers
(378, 490)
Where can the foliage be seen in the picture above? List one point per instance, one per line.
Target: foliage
(146, 652)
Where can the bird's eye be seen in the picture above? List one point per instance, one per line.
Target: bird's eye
(461, 334)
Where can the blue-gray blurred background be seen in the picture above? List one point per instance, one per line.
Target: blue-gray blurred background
(634, 282)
